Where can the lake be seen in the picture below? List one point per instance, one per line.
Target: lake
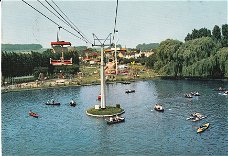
(65, 130)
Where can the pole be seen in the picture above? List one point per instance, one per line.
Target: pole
(103, 97)
(102, 75)
(62, 58)
(116, 57)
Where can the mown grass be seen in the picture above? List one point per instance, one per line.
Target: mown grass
(109, 110)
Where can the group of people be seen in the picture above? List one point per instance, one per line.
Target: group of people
(52, 101)
(72, 102)
(116, 118)
(196, 116)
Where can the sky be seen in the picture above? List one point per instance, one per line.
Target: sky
(137, 21)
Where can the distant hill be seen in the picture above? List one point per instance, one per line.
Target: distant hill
(146, 47)
(10, 47)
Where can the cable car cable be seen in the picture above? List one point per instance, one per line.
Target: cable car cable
(51, 12)
(115, 20)
(51, 20)
(71, 21)
(56, 15)
(66, 20)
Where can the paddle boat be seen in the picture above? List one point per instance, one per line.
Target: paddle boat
(52, 103)
(196, 117)
(188, 96)
(158, 108)
(195, 94)
(72, 103)
(225, 93)
(220, 89)
(202, 128)
(33, 114)
(130, 91)
(114, 120)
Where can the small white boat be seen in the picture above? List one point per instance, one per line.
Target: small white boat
(158, 108)
(195, 94)
(130, 91)
(116, 119)
(196, 117)
(72, 103)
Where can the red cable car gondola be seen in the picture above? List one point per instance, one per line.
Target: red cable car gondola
(58, 47)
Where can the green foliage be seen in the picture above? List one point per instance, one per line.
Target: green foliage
(216, 33)
(201, 57)
(11, 47)
(67, 69)
(38, 70)
(20, 64)
(203, 32)
(151, 60)
(217, 36)
(147, 47)
(225, 30)
(221, 58)
(126, 61)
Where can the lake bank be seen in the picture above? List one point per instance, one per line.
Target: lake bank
(90, 81)
(88, 76)
(67, 83)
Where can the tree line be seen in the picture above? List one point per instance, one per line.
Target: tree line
(10, 47)
(202, 55)
(20, 64)
(147, 47)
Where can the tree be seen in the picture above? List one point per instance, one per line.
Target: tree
(188, 37)
(204, 32)
(216, 33)
(225, 35)
(225, 30)
(147, 47)
(195, 34)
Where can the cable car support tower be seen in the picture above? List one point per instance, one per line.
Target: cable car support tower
(102, 43)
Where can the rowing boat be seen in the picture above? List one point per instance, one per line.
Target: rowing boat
(203, 128)
(35, 115)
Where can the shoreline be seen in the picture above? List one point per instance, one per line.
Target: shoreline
(192, 78)
(90, 83)
(7, 90)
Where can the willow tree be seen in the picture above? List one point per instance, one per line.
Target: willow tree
(222, 59)
(166, 55)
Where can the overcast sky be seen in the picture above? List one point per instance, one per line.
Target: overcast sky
(137, 21)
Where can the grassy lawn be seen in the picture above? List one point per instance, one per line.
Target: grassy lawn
(109, 110)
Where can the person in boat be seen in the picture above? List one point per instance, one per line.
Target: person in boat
(52, 101)
(117, 117)
(72, 101)
(111, 119)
